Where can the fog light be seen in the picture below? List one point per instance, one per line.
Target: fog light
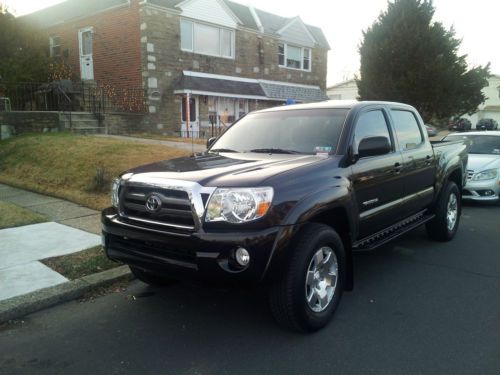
(242, 256)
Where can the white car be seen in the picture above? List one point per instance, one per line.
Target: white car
(483, 167)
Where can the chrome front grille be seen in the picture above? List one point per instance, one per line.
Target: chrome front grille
(470, 174)
(175, 210)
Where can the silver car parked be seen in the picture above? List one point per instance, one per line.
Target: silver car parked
(483, 167)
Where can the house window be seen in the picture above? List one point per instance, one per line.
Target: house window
(294, 57)
(55, 46)
(206, 39)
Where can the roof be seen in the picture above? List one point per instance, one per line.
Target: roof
(343, 104)
(214, 84)
(71, 9)
(303, 93)
(209, 83)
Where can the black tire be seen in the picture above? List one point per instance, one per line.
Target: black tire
(438, 228)
(287, 297)
(151, 278)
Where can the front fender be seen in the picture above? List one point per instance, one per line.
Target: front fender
(306, 210)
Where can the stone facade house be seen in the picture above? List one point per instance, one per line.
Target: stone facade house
(205, 61)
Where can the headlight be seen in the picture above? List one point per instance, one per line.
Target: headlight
(239, 205)
(115, 192)
(486, 175)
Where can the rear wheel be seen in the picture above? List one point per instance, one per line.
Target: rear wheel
(448, 209)
(309, 292)
(151, 278)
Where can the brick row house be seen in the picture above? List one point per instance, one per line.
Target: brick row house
(217, 58)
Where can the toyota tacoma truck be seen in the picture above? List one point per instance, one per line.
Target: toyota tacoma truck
(283, 198)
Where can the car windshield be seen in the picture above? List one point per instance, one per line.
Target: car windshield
(304, 131)
(480, 144)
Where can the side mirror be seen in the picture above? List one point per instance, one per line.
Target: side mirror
(211, 141)
(373, 146)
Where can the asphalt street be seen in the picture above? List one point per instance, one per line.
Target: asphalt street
(418, 307)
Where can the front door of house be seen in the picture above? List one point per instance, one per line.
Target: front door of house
(194, 124)
(85, 37)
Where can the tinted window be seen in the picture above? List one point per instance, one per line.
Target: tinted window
(371, 124)
(407, 129)
(300, 131)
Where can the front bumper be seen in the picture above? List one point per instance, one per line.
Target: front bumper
(196, 255)
(488, 190)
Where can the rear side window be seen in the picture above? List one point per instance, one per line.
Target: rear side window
(371, 124)
(407, 129)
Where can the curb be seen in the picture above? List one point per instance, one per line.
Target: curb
(20, 306)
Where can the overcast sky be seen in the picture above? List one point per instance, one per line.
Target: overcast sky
(476, 22)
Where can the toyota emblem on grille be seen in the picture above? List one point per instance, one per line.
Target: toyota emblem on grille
(153, 203)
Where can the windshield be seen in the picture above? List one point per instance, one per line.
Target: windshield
(480, 144)
(304, 131)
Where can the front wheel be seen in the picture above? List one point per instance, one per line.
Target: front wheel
(307, 295)
(448, 210)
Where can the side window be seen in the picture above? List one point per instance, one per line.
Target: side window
(371, 124)
(407, 129)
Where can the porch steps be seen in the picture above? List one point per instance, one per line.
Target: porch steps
(81, 122)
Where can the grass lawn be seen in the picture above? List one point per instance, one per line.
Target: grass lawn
(83, 263)
(15, 216)
(171, 139)
(74, 167)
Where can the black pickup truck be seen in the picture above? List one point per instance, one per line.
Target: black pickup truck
(283, 198)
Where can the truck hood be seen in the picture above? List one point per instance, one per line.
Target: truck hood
(224, 169)
(479, 162)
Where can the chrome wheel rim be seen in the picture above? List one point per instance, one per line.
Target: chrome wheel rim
(452, 211)
(321, 279)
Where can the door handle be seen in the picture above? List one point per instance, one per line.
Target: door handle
(428, 160)
(397, 168)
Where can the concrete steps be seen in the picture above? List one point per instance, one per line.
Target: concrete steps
(81, 122)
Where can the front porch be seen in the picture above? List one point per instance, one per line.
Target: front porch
(217, 101)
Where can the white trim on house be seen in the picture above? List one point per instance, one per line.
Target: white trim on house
(285, 54)
(194, 22)
(212, 17)
(256, 18)
(301, 24)
(218, 76)
(224, 95)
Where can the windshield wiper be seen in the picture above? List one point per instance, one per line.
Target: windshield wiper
(217, 150)
(274, 151)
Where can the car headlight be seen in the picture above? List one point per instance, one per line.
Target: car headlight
(486, 175)
(115, 192)
(239, 205)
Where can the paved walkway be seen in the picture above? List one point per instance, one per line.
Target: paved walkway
(182, 145)
(72, 228)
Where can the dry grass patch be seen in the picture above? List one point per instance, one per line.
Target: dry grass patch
(74, 167)
(83, 263)
(15, 216)
(171, 139)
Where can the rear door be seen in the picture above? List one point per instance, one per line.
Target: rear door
(377, 181)
(419, 166)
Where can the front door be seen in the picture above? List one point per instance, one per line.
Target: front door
(194, 124)
(85, 37)
(377, 181)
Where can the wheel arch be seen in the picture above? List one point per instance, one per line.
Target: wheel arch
(338, 217)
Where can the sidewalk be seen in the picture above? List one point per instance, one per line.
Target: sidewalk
(72, 228)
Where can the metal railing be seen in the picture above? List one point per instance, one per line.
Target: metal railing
(67, 96)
